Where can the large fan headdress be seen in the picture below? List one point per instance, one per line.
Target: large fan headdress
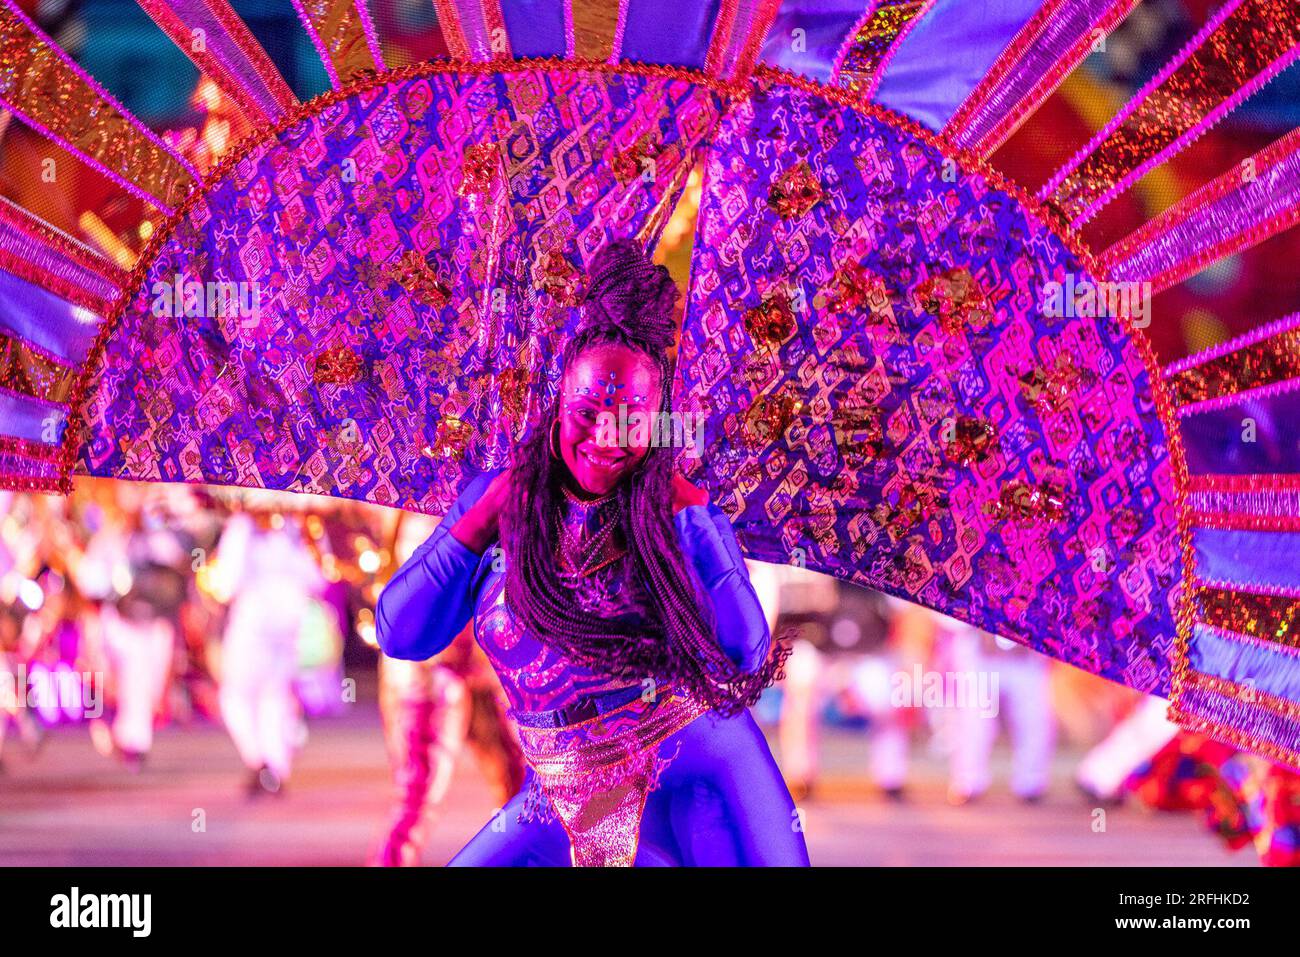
(919, 371)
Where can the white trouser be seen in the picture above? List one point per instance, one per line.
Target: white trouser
(801, 703)
(258, 704)
(1024, 705)
(1137, 737)
(140, 656)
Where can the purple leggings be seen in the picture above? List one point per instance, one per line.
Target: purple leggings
(720, 803)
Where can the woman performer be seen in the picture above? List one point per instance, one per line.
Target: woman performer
(618, 614)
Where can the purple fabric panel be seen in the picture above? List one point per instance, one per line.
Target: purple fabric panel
(850, 464)
(37, 254)
(1215, 444)
(536, 27)
(947, 53)
(1273, 672)
(1242, 716)
(24, 418)
(678, 36)
(414, 346)
(1248, 558)
(825, 25)
(41, 317)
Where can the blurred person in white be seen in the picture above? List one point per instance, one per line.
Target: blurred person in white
(138, 566)
(836, 630)
(909, 644)
(1021, 681)
(1133, 741)
(431, 709)
(272, 576)
(800, 600)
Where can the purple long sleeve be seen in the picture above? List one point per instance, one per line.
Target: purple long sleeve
(710, 544)
(431, 598)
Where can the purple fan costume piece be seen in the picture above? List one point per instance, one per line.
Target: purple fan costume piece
(502, 185)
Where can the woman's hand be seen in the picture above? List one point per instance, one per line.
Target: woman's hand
(479, 527)
(685, 494)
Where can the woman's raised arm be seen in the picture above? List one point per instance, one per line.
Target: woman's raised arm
(710, 545)
(429, 601)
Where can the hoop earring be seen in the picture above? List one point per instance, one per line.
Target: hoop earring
(555, 439)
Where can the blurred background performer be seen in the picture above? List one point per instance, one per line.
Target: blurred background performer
(1021, 698)
(140, 565)
(1133, 741)
(430, 710)
(804, 602)
(909, 645)
(275, 579)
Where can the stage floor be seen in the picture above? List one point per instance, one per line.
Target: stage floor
(67, 805)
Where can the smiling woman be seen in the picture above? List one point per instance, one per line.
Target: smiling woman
(618, 614)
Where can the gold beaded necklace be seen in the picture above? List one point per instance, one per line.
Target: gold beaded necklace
(590, 552)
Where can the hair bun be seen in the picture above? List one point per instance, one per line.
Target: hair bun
(629, 293)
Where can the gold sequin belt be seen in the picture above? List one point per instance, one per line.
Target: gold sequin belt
(597, 774)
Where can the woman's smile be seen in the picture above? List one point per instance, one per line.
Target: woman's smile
(602, 458)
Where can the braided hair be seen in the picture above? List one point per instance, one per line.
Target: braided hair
(629, 302)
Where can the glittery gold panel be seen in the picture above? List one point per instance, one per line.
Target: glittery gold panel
(866, 51)
(1252, 42)
(44, 89)
(1273, 360)
(604, 830)
(1267, 617)
(343, 32)
(595, 22)
(28, 370)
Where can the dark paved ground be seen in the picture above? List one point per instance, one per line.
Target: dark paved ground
(68, 805)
